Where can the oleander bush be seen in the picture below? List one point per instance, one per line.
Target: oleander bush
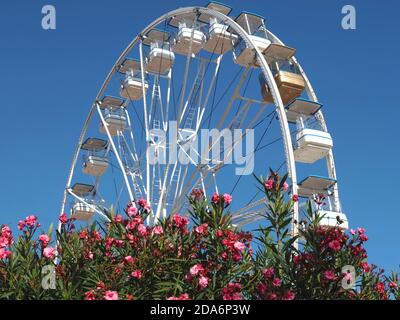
(198, 256)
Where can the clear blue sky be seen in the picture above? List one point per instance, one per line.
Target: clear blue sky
(48, 80)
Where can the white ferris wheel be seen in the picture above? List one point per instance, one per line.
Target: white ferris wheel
(192, 69)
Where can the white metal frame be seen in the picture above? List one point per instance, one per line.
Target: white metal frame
(261, 62)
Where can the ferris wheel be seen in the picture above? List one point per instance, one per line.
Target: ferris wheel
(191, 71)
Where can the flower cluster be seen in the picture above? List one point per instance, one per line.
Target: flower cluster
(198, 273)
(234, 243)
(6, 240)
(232, 291)
(29, 223)
(224, 199)
(273, 183)
(272, 288)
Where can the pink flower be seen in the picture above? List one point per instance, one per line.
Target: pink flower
(295, 198)
(118, 243)
(49, 253)
(285, 186)
(352, 231)
(215, 198)
(142, 230)
(201, 229)
(262, 288)
(109, 242)
(268, 273)
(83, 234)
(132, 211)
(239, 246)
(237, 257)
(89, 295)
(142, 202)
(269, 184)
(136, 274)
(236, 296)
(180, 221)
(203, 282)
(30, 221)
(44, 239)
(361, 230)
(4, 242)
(6, 231)
(89, 255)
(393, 285)
(144, 205)
(296, 259)
(197, 194)
(289, 295)
(232, 291)
(272, 296)
(183, 296)
(21, 225)
(63, 218)
(363, 237)
(380, 287)
(118, 218)
(111, 295)
(129, 259)
(219, 233)
(196, 269)
(131, 225)
(329, 275)
(365, 266)
(335, 245)
(227, 198)
(4, 254)
(96, 235)
(158, 230)
(101, 286)
(276, 282)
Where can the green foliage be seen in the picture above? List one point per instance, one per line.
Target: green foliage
(208, 258)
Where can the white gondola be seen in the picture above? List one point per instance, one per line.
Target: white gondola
(333, 219)
(315, 185)
(111, 103)
(94, 164)
(301, 107)
(277, 51)
(82, 212)
(160, 57)
(189, 39)
(312, 145)
(219, 39)
(115, 123)
(254, 25)
(244, 55)
(82, 189)
(132, 87)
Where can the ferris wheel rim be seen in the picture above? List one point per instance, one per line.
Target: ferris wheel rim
(264, 67)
